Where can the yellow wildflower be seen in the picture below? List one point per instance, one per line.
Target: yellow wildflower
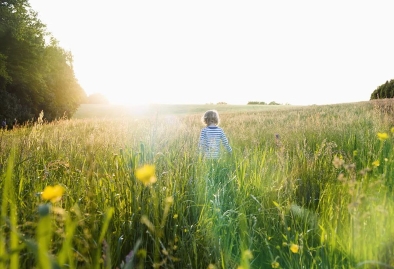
(169, 200)
(294, 248)
(275, 264)
(382, 136)
(376, 163)
(146, 174)
(247, 254)
(392, 129)
(52, 193)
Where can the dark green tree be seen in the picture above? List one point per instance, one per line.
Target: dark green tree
(385, 90)
(63, 94)
(35, 75)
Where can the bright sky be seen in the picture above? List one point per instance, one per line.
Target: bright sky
(207, 51)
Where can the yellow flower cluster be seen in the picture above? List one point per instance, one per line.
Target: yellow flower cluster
(294, 248)
(52, 193)
(376, 163)
(382, 136)
(146, 174)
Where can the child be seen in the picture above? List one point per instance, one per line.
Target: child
(212, 136)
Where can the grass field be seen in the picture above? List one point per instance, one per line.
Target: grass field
(117, 111)
(72, 193)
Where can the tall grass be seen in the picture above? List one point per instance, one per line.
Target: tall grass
(320, 196)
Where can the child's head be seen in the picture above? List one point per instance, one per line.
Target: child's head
(211, 117)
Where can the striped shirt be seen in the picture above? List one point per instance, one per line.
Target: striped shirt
(211, 138)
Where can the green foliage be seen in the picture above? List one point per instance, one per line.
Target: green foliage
(34, 75)
(385, 90)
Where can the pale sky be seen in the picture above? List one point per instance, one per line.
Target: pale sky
(195, 52)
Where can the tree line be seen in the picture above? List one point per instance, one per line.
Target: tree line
(36, 74)
(262, 103)
(386, 90)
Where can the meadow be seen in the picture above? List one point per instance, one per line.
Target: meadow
(126, 188)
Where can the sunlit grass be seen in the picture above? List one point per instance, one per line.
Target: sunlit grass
(132, 192)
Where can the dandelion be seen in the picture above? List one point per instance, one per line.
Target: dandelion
(175, 216)
(382, 136)
(146, 174)
(376, 163)
(294, 248)
(275, 264)
(52, 193)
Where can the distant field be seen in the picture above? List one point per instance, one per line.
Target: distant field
(112, 111)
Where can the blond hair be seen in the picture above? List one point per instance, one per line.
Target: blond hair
(210, 117)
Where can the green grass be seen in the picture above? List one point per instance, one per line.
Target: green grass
(318, 188)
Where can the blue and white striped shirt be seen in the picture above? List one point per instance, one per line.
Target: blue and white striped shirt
(210, 139)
